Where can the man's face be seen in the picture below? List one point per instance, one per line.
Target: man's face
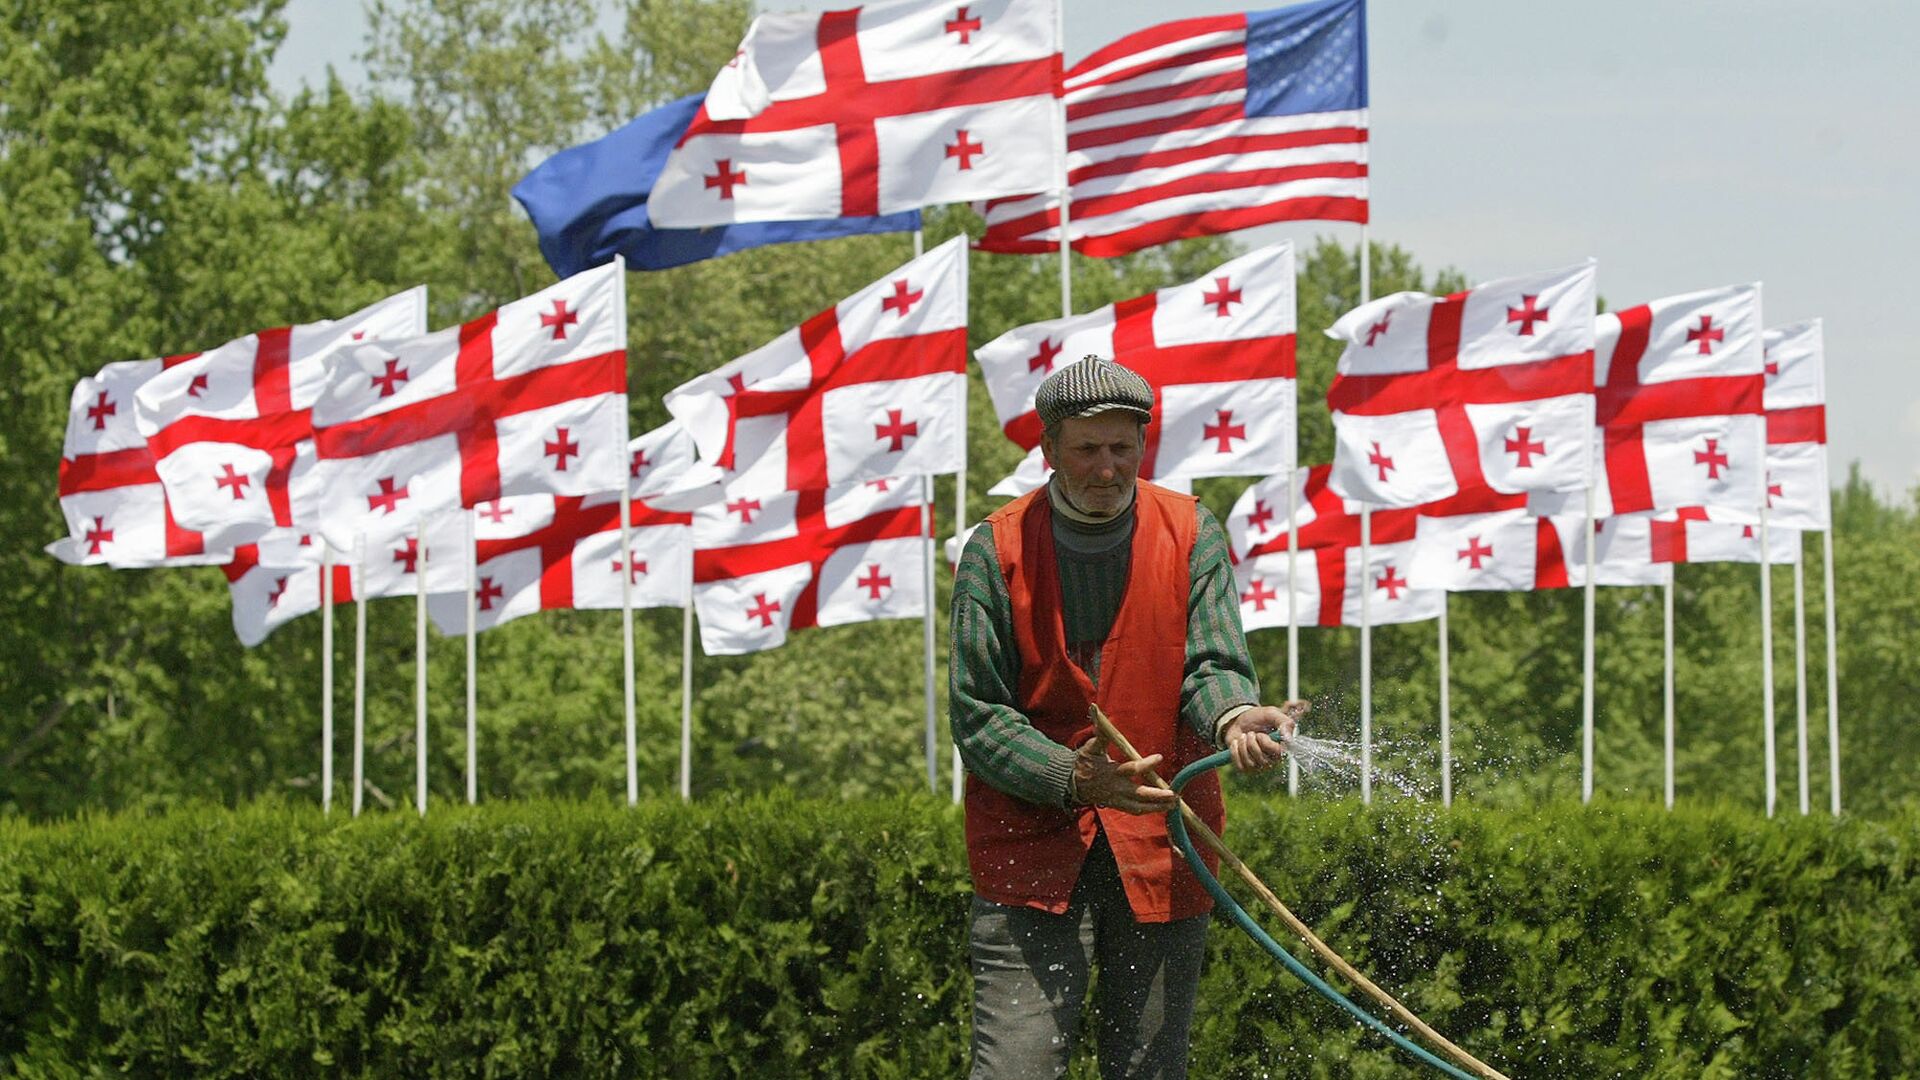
(1096, 458)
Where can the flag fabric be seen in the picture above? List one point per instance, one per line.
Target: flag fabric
(1690, 534)
(872, 110)
(386, 566)
(231, 430)
(663, 469)
(1677, 388)
(1205, 126)
(116, 510)
(1798, 492)
(271, 592)
(589, 203)
(527, 399)
(1504, 551)
(767, 565)
(1492, 387)
(1218, 352)
(1328, 587)
(546, 553)
(873, 386)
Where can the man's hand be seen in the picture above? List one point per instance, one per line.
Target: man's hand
(1099, 781)
(1247, 739)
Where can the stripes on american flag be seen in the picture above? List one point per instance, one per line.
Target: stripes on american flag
(1204, 126)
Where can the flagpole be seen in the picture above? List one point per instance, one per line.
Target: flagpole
(1446, 710)
(1833, 667)
(326, 678)
(473, 654)
(1066, 183)
(926, 622)
(1366, 654)
(959, 534)
(1800, 667)
(1586, 651)
(626, 640)
(1667, 688)
(686, 692)
(420, 668)
(1293, 608)
(359, 680)
(1766, 656)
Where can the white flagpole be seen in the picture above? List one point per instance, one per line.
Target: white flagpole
(1586, 651)
(1293, 607)
(959, 532)
(626, 640)
(1833, 669)
(1667, 688)
(1766, 658)
(686, 693)
(1366, 654)
(420, 668)
(473, 654)
(326, 679)
(1800, 666)
(1446, 710)
(926, 623)
(1066, 185)
(359, 681)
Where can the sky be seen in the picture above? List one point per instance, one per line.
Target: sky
(1683, 145)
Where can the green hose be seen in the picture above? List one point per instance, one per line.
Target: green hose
(1178, 828)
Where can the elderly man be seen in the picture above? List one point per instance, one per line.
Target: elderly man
(1097, 589)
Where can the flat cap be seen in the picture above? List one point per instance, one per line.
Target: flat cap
(1094, 385)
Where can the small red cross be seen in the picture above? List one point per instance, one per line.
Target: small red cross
(560, 318)
(965, 149)
(1261, 517)
(736, 384)
(1774, 490)
(874, 582)
(100, 410)
(408, 554)
(745, 508)
(1225, 430)
(1223, 299)
(306, 539)
(235, 481)
(1375, 331)
(879, 485)
(98, 535)
(279, 590)
(1526, 315)
(763, 610)
(493, 511)
(1521, 443)
(1258, 594)
(1391, 583)
(725, 179)
(388, 381)
(1475, 551)
(1380, 461)
(901, 300)
(388, 497)
(1746, 532)
(198, 384)
(895, 430)
(1712, 457)
(1773, 368)
(488, 593)
(1706, 334)
(639, 462)
(358, 334)
(1043, 359)
(964, 25)
(634, 567)
(559, 447)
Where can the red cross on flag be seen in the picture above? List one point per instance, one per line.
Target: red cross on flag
(231, 429)
(767, 565)
(1691, 534)
(116, 510)
(873, 386)
(1492, 387)
(386, 566)
(663, 470)
(1677, 388)
(1798, 495)
(872, 110)
(546, 553)
(527, 399)
(269, 591)
(1218, 351)
(1327, 592)
(1504, 551)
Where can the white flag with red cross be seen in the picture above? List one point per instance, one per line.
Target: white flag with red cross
(270, 589)
(1327, 587)
(874, 386)
(1798, 492)
(1492, 387)
(547, 553)
(1677, 389)
(770, 564)
(663, 469)
(1504, 551)
(386, 566)
(528, 399)
(116, 510)
(877, 109)
(231, 428)
(1691, 534)
(1218, 352)
(1257, 524)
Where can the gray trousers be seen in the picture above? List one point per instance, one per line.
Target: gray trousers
(1031, 970)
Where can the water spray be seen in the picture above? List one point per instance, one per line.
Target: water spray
(1183, 818)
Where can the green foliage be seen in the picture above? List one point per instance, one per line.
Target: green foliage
(802, 937)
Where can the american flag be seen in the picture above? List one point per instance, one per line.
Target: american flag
(1205, 126)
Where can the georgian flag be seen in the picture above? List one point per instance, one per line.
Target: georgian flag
(872, 387)
(872, 110)
(1798, 495)
(1688, 535)
(1218, 351)
(1328, 585)
(231, 429)
(1504, 551)
(527, 399)
(388, 566)
(1492, 387)
(271, 588)
(662, 468)
(769, 564)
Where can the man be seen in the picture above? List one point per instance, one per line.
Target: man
(1097, 588)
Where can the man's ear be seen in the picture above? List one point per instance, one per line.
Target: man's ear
(1046, 448)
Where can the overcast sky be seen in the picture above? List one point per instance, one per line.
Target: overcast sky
(1684, 145)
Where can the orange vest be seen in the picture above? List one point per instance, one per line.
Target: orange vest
(1029, 855)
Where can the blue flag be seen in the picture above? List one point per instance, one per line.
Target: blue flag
(589, 203)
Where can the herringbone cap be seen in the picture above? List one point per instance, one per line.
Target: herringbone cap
(1094, 385)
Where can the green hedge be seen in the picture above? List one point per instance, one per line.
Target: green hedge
(783, 937)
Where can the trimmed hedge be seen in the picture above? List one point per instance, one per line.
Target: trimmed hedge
(779, 937)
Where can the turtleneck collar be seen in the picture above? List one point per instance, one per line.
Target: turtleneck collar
(1084, 532)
